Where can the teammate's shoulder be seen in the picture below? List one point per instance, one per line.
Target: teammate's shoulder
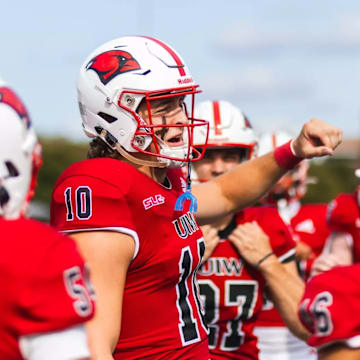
(257, 210)
(96, 167)
(263, 213)
(316, 212)
(345, 199)
(334, 279)
(267, 217)
(313, 207)
(30, 230)
(22, 225)
(343, 210)
(25, 236)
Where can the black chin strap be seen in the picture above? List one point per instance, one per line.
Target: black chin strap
(4, 196)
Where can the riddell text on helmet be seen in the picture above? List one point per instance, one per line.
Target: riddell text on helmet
(186, 80)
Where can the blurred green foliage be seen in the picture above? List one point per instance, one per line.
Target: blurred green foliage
(332, 175)
(58, 154)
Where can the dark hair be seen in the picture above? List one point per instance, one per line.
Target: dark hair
(99, 149)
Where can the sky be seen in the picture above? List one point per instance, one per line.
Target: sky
(281, 62)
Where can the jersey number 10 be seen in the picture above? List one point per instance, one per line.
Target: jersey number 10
(83, 204)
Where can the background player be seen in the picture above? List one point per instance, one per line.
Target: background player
(44, 299)
(328, 309)
(343, 246)
(121, 210)
(308, 221)
(232, 289)
(310, 231)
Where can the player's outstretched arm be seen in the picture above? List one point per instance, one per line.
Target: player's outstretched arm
(250, 180)
(284, 285)
(317, 138)
(338, 351)
(108, 265)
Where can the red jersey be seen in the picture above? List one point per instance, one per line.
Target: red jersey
(330, 306)
(161, 315)
(344, 216)
(232, 289)
(308, 224)
(43, 284)
(310, 227)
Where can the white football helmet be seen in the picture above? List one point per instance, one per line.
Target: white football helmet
(293, 185)
(229, 127)
(20, 155)
(115, 78)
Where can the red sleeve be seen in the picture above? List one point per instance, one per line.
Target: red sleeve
(271, 223)
(85, 202)
(342, 213)
(55, 293)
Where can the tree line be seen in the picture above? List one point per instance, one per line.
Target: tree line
(328, 177)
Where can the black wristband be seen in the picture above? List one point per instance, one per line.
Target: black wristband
(264, 258)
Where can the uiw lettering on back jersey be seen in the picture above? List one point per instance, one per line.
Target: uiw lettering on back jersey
(233, 291)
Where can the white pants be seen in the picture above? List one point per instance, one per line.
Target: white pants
(278, 343)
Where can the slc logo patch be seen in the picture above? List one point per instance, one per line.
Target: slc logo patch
(153, 201)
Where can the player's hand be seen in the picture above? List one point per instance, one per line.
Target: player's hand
(303, 251)
(251, 242)
(324, 263)
(317, 138)
(211, 240)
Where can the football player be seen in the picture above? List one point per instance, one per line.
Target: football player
(232, 289)
(343, 245)
(308, 221)
(130, 209)
(310, 231)
(329, 310)
(44, 299)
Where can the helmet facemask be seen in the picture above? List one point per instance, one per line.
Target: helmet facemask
(181, 131)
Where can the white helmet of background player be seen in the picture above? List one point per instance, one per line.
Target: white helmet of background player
(115, 78)
(229, 128)
(20, 155)
(292, 186)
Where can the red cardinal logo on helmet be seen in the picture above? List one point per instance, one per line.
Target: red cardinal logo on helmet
(112, 63)
(8, 97)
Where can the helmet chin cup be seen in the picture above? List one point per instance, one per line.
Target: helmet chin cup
(175, 153)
